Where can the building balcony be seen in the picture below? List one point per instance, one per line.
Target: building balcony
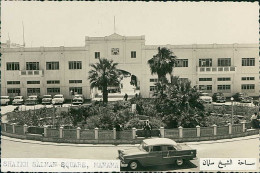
(32, 73)
(205, 70)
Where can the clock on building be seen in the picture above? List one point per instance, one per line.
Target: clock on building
(114, 51)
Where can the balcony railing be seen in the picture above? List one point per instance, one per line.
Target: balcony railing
(31, 73)
(216, 69)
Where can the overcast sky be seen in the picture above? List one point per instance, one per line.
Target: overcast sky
(67, 23)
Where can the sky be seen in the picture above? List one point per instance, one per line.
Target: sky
(67, 23)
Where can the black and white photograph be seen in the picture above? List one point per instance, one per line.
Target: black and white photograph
(129, 86)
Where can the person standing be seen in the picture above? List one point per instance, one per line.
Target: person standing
(125, 97)
(147, 129)
(254, 121)
(118, 129)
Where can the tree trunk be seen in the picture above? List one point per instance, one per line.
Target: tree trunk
(161, 80)
(105, 93)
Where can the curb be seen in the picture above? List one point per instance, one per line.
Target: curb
(121, 145)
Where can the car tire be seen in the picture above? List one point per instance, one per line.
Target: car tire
(179, 162)
(134, 165)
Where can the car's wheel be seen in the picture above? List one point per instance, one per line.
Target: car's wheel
(134, 165)
(179, 162)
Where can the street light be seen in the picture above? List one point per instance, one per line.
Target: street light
(232, 111)
(71, 97)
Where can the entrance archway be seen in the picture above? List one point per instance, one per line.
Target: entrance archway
(129, 85)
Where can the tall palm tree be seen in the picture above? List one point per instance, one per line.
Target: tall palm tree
(161, 64)
(103, 74)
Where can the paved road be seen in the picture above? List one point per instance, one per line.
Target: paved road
(246, 147)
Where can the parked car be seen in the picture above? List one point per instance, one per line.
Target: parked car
(46, 99)
(58, 99)
(18, 100)
(247, 99)
(78, 99)
(5, 100)
(219, 97)
(32, 100)
(156, 151)
(205, 98)
(242, 97)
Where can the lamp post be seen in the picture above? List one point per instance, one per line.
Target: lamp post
(232, 110)
(71, 97)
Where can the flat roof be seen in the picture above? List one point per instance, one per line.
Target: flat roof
(160, 141)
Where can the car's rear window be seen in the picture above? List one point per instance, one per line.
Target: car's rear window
(4, 97)
(157, 148)
(58, 97)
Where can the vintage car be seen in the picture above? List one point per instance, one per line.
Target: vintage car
(78, 99)
(219, 97)
(205, 98)
(242, 97)
(18, 100)
(58, 99)
(156, 151)
(32, 100)
(46, 99)
(5, 100)
(247, 99)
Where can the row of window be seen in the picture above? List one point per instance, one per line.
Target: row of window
(115, 52)
(78, 64)
(38, 82)
(49, 65)
(226, 79)
(227, 87)
(210, 79)
(219, 87)
(225, 62)
(37, 91)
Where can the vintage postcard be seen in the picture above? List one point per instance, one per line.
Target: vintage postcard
(129, 86)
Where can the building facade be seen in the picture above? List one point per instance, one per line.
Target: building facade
(227, 68)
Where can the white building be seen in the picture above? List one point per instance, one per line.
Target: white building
(227, 68)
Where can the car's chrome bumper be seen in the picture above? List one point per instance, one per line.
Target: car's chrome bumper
(45, 102)
(122, 164)
(17, 103)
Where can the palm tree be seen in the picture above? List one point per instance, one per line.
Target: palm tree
(104, 74)
(161, 64)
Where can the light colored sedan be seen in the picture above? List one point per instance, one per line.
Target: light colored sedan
(58, 99)
(18, 100)
(5, 100)
(46, 99)
(78, 99)
(205, 98)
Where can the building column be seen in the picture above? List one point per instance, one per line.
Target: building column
(45, 131)
(243, 126)
(134, 133)
(198, 131)
(96, 133)
(25, 127)
(214, 129)
(78, 132)
(61, 132)
(114, 133)
(162, 132)
(229, 128)
(5, 127)
(13, 125)
(180, 132)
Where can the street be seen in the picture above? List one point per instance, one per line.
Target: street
(245, 147)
